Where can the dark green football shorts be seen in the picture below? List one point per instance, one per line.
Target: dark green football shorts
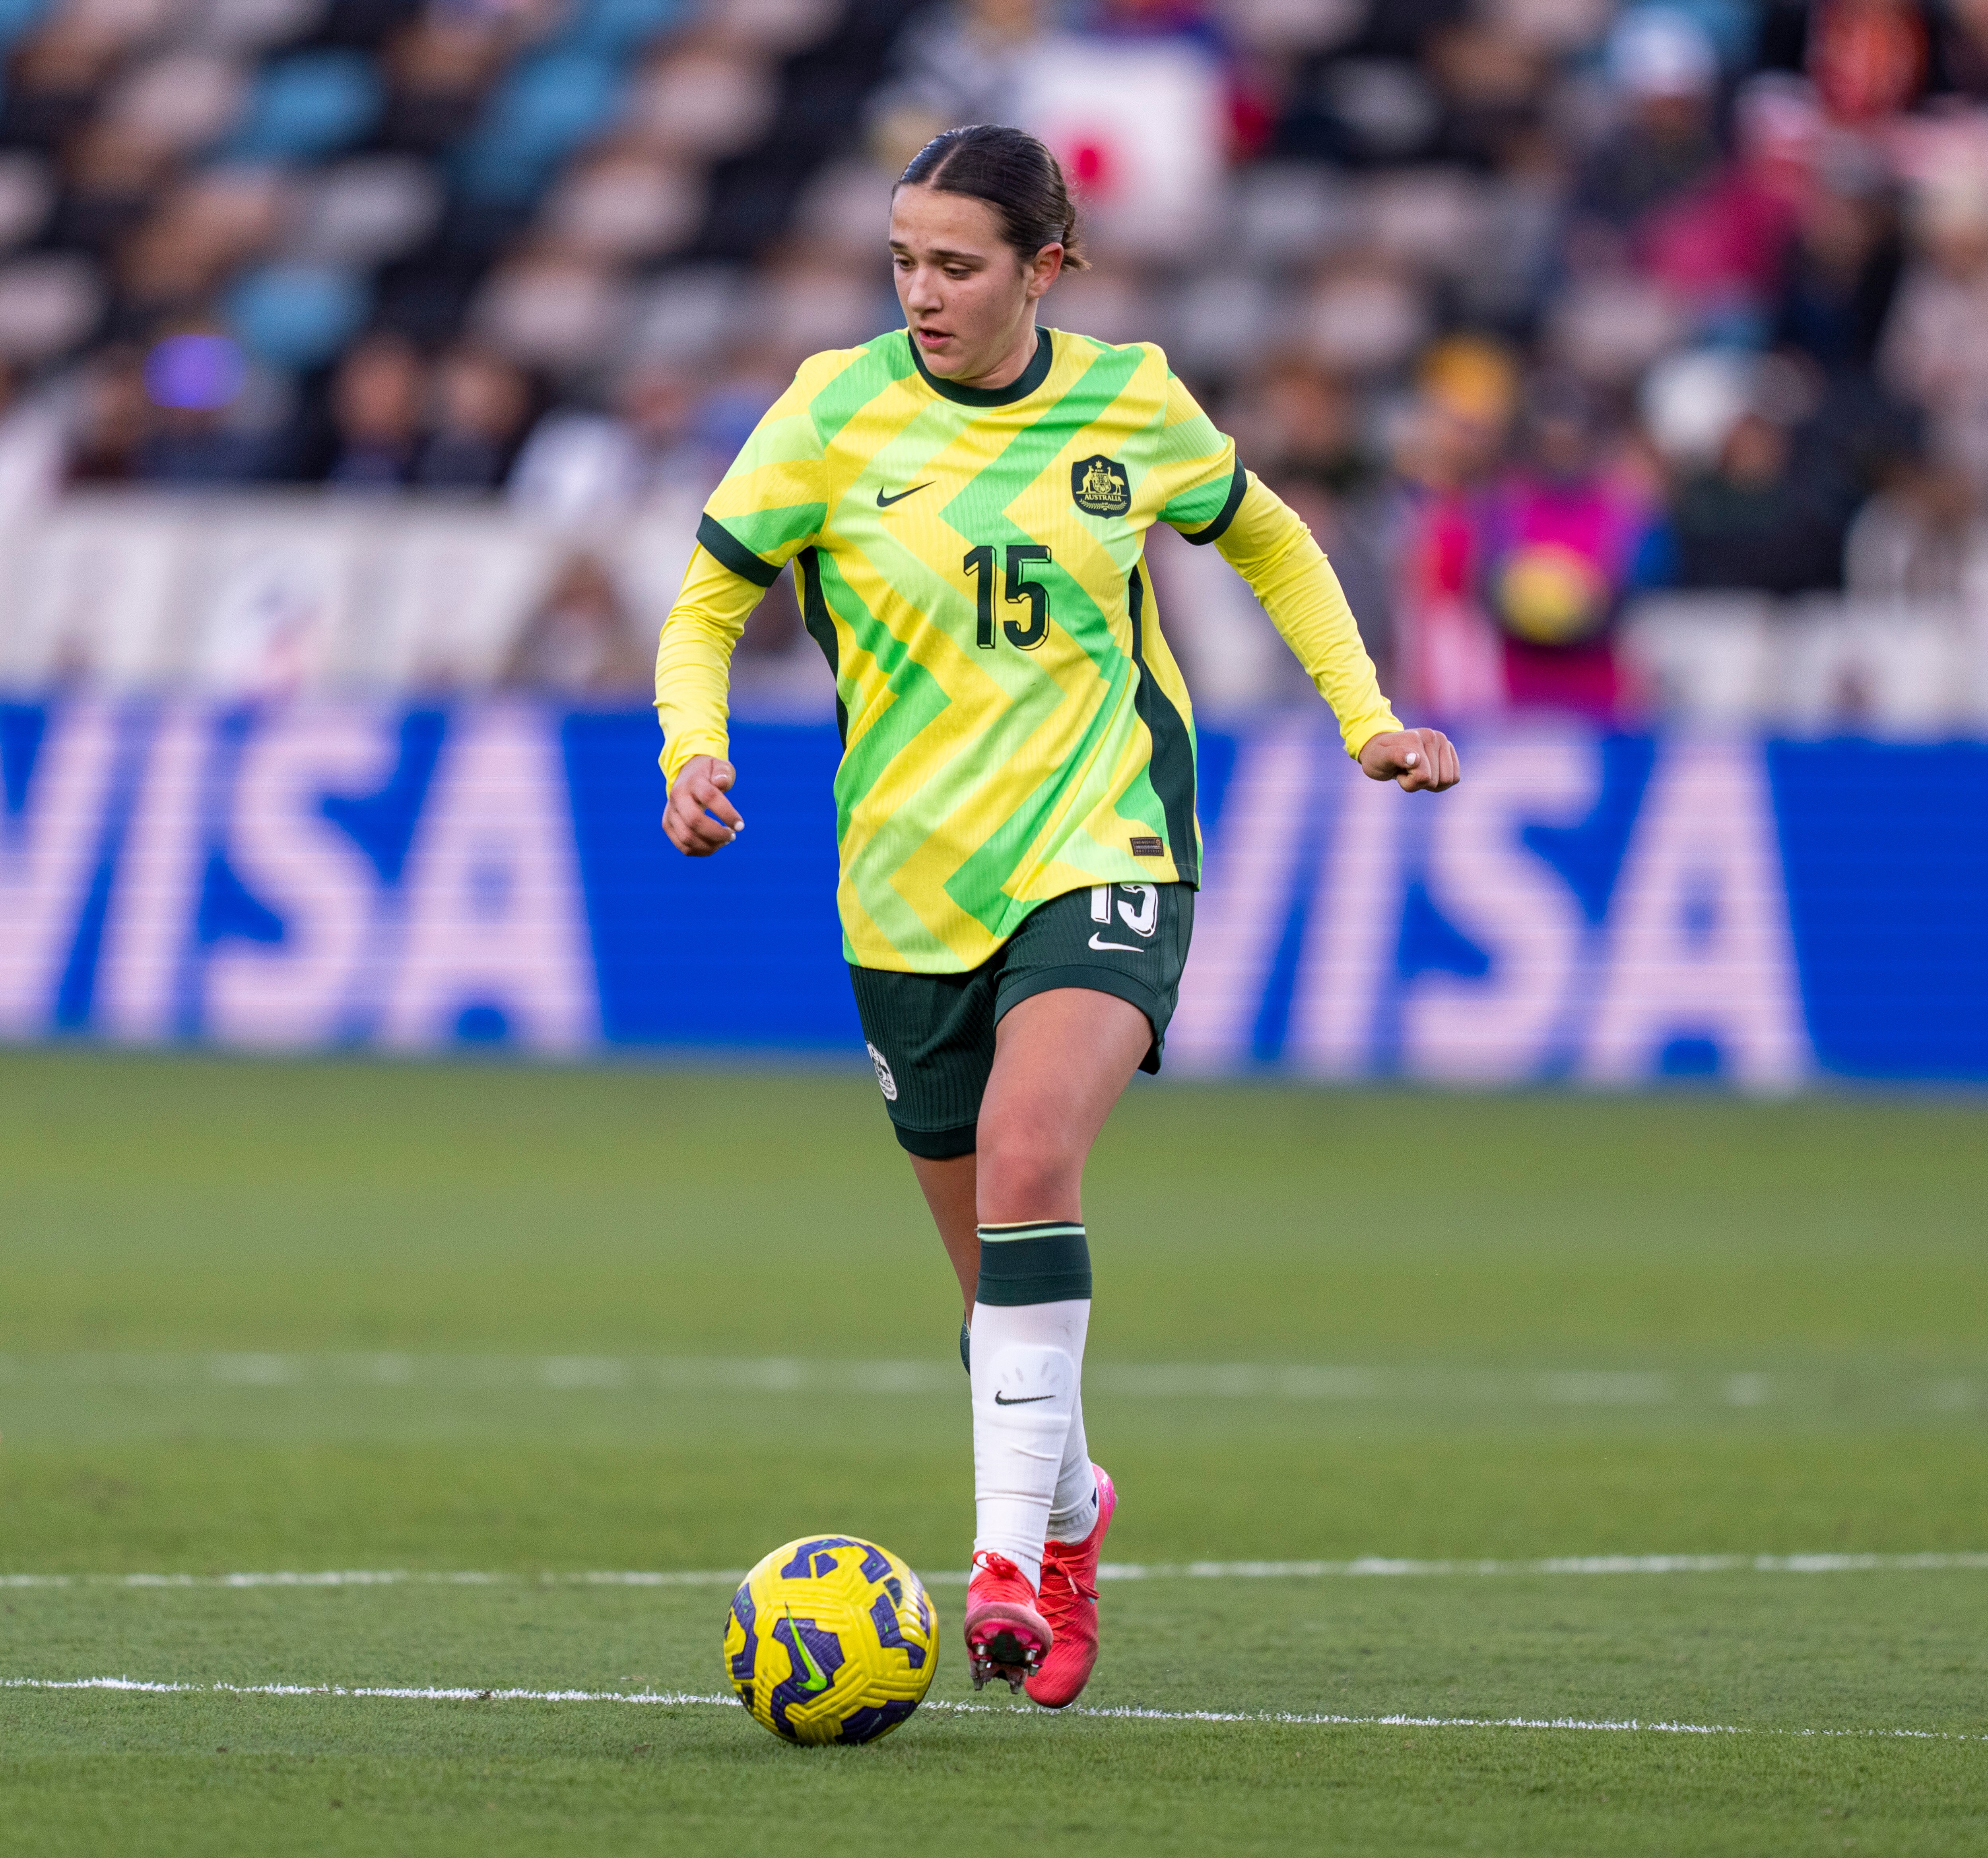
(932, 1036)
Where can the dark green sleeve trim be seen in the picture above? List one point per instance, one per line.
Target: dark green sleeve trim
(1238, 485)
(717, 539)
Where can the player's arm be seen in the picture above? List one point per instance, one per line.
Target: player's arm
(1268, 544)
(769, 506)
(1210, 498)
(693, 682)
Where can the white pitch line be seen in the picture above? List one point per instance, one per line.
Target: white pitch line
(424, 1693)
(1383, 1567)
(1366, 1567)
(1123, 1713)
(241, 1373)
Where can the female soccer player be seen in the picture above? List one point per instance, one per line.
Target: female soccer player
(966, 501)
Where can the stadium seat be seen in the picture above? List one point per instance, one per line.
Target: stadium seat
(298, 316)
(616, 27)
(308, 106)
(47, 303)
(541, 113)
(27, 191)
(558, 313)
(366, 210)
(182, 100)
(705, 103)
(16, 17)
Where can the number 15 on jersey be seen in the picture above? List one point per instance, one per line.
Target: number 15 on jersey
(979, 563)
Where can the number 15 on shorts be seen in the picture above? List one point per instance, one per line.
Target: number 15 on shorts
(1142, 918)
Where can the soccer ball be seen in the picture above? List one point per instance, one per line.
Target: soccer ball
(831, 1640)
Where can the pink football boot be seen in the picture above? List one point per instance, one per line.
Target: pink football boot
(1069, 1604)
(1006, 1635)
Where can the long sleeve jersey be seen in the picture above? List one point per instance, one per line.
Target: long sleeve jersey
(971, 563)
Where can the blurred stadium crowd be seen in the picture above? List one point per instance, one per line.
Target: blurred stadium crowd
(1543, 312)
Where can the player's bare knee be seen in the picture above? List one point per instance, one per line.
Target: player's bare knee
(1021, 1162)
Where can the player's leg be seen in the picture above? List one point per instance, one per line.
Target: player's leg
(1116, 945)
(931, 1038)
(1062, 1059)
(1024, 1155)
(950, 1192)
(1078, 998)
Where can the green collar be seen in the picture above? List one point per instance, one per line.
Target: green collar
(1024, 384)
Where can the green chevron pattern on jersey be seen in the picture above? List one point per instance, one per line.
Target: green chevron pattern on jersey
(971, 565)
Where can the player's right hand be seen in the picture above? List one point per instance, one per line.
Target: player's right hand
(701, 787)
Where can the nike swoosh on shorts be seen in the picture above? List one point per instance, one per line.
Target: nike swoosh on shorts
(1129, 947)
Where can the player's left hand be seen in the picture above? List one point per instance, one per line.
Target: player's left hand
(1413, 758)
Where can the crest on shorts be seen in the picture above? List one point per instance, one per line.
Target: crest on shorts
(1099, 486)
(885, 1082)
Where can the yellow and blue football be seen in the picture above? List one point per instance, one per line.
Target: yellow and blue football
(831, 1639)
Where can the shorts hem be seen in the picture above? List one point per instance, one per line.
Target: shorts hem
(938, 1144)
(1128, 988)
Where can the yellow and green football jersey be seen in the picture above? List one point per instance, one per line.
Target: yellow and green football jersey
(971, 563)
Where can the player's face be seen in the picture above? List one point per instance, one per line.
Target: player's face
(968, 296)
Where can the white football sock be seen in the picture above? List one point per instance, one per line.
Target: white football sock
(1028, 1358)
(1073, 1509)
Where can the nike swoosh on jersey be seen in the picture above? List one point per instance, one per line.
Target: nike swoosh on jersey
(1129, 947)
(885, 502)
(1027, 1399)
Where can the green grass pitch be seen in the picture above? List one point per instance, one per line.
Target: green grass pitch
(534, 1324)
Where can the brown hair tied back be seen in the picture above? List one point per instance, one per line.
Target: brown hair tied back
(1015, 174)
